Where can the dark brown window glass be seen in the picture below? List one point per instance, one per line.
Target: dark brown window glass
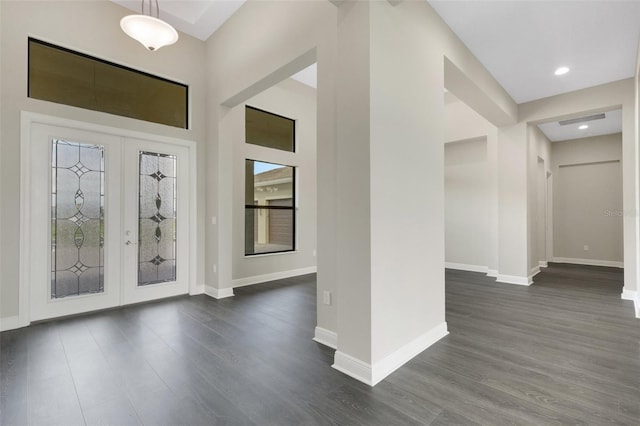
(66, 77)
(269, 130)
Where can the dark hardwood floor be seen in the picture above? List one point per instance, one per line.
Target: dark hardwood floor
(563, 351)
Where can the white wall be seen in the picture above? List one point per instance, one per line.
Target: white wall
(588, 207)
(628, 292)
(297, 101)
(597, 99)
(477, 134)
(467, 205)
(92, 28)
(539, 163)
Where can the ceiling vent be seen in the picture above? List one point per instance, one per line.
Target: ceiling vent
(582, 119)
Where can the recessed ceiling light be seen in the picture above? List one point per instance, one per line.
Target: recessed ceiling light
(583, 127)
(562, 71)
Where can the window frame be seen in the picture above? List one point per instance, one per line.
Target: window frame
(293, 136)
(293, 209)
(33, 40)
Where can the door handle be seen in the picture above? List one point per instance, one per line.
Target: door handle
(129, 242)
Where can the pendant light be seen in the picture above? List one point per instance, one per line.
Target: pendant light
(152, 33)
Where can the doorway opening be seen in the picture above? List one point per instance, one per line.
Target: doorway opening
(585, 206)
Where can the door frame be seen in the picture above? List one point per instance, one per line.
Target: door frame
(28, 120)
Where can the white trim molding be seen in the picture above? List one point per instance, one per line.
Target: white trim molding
(466, 267)
(514, 279)
(257, 279)
(326, 337)
(493, 273)
(634, 296)
(218, 293)
(353, 367)
(374, 374)
(534, 271)
(392, 362)
(10, 323)
(543, 264)
(591, 262)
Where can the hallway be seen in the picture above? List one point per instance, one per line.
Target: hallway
(564, 351)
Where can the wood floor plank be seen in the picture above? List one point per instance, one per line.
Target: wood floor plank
(565, 350)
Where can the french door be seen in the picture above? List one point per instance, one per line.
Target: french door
(108, 220)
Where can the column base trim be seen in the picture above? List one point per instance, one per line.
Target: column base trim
(466, 267)
(326, 337)
(373, 374)
(532, 273)
(218, 293)
(514, 279)
(634, 296)
(493, 273)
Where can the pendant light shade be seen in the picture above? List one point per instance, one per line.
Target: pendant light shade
(152, 33)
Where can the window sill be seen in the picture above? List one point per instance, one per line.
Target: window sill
(269, 254)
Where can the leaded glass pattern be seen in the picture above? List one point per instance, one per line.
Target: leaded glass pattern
(77, 219)
(157, 218)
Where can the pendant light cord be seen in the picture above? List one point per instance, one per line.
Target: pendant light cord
(151, 8)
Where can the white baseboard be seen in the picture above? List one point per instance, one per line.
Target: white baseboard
(493, 273)
(628, 294)
(534, 271)
(373, 374)
(543, 264)
(218, 293)
(326, 337)
(10, 323)
(591, 262)
(466, 267)
(634, 296)
(198, 290)
(241, 282)
(353, 367)
(392, 362)
(513, 279)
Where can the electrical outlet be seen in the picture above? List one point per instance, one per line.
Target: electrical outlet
(314, 253)
(214, 220)
(586, 248)
(326, 297)
(215, 268)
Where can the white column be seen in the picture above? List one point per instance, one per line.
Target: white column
(513, 205)
(390, 190)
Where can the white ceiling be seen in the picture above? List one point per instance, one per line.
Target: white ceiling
(612, 123)
(198, 18)
(308, 76)
(201, 18)
(521, 43)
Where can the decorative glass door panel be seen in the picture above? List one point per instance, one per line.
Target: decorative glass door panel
(73, 221)
(77, 219)
(157, 218)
